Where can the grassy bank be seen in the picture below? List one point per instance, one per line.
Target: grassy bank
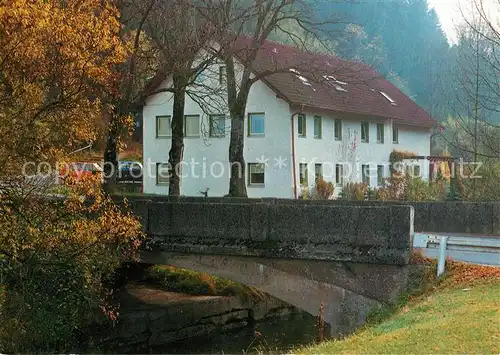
(196, 283)
(460, 314)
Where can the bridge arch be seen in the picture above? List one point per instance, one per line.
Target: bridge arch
(343, 309)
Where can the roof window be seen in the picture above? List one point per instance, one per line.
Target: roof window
(335, 83)
(332, 78)
(393, 103)
(303, 79)
(339, 88)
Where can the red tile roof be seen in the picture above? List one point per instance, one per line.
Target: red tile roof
(302, 78)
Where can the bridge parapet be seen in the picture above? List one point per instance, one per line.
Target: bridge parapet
(362, 234)
(430, 216)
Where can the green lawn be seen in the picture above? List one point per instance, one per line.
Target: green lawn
(454, 320)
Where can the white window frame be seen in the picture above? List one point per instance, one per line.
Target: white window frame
(222, 75)
(395, 131)
(339, 174)
(303, 172)
(415, 169)
(302, 125)
(250, 166)
(317, 176)
(169, 172)
(380, 175)
(337, 133)
(186, 117)
(380, 133)
(169, 119)
(318, 135)
(365, 173)
(250, 126)
(366, 139)
(213, 126)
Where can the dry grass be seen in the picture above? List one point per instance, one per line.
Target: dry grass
(460, 314)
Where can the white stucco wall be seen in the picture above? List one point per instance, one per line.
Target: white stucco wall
(329, 152)
(206, 159)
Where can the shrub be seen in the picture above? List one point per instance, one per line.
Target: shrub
(420, 190)
(56, 257)
(323, 190)
(405, 188)
(354, 191)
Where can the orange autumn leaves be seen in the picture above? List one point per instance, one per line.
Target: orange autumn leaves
(57, 61)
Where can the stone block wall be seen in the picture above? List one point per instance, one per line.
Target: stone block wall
(293, 230)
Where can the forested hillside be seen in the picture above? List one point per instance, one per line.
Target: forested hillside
(456, 83)
(403, 40)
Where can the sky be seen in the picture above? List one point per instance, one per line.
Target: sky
(449, 16)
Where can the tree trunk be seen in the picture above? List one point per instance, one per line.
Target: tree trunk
(237, 185)
(110, 156)
(177, 147)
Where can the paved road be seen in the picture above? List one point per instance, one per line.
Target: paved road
(477, 249)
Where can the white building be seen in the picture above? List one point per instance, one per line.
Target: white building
(342, 127)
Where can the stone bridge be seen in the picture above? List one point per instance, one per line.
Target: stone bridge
(345, 258)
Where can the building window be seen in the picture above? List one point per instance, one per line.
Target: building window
(200, 77)
(339, 174)
(163, 173)
(163, 126)
(365, 132)
(222, 75)
(318, 127)
(380, 175)
(395, 135)
(318, 172)
(365, 174)
(255, 174)
(338, 129)
(256, 124)
(301, 122)
(303, 174)
(217, 125)
(416, 171)
(413, 171)
(192, 125)
(380, 133)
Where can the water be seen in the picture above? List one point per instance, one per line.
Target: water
(277, 334)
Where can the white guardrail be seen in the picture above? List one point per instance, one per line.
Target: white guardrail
(477, 249)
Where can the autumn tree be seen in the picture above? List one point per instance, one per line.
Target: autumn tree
(56, 253)
(132, 75)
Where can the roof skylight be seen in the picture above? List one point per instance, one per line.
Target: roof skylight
(303, 79)
(393, 103)
(331, 77)
(340, 88)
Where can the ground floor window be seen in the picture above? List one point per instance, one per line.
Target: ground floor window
(318, 172)
(339, 174)
(163, 173)
(256, 174)
(365, 174)
(380, 175)
(303, 174)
